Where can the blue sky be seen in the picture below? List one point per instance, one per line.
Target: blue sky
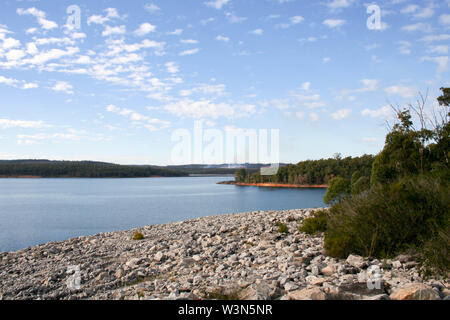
(116, 88)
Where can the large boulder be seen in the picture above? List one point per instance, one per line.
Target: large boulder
(307, 294)
(256, 291)
(356, 261)
(415, 291)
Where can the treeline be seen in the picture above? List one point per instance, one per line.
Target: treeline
(206, 170)
(312, 171)
(404, 204)
(81, 169)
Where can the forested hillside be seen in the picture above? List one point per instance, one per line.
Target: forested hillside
(80, 169)
(313, 171)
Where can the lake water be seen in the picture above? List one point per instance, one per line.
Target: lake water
(36, 211)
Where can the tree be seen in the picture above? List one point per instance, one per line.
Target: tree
(444, 100)
(241, 175)
(338, 188)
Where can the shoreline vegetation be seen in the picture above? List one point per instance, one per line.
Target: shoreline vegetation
(274, 185)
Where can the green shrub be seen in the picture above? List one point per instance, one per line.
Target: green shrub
(316, 223)
(282, 227)
(435, 254)
(138, 236)
(387, 221)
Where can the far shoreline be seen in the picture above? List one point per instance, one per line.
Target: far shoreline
(275, 185)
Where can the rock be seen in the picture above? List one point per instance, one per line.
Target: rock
(328, 270)
(397, 264)
(187, 262)
(197, 258)
(415, 291)
(289, 286)
(356, 261)
(260, 291)
(133, 263)
(159, 256)
(119, 273)
(315, 270)
(307, 294)
(316, 281)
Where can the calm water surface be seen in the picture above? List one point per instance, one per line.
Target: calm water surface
(36, 211)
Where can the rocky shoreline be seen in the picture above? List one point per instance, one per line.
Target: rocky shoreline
(238, 256)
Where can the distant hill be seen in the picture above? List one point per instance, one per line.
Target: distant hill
(81, 169)
(95, 169)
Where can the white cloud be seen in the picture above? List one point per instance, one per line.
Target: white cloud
(13, 55)
(334, 23)
(151, 7)
(114, 30)
(205, 89)
(411, 8)
(189, 52)
(62, 86)
(233, 18)
(7, 123)
(341, 114)
(313, 117)
(425, 13)
(31, 30)
(339, 4)
(306, 86)
(439, 37)
(422, 27)
(40, 16)
(441, 61)
(292, 21)
(300, 115)
(384, 112)
(440, 49)
(216, 4)
(111, 13)
(144, 29)
(296, 19)
(172, 67)
(369, 85)
(8, 81)
(201, 109)
(16, 83)
(176, 32)
(9, 43)
(222, 38)
(30, 85)
(404, 47)
(402, 91)
(52, 54)
(257, 32)
(204, 22)
(444, 19)
(139, 120)
(189, 41)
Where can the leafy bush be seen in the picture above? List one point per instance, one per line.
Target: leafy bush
(387, 221)
(282, 227)
(316, 223)
(138, 236)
